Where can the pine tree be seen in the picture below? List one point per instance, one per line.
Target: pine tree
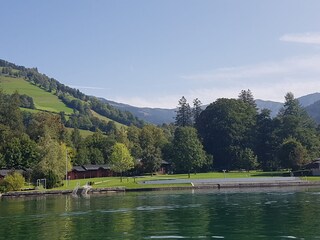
(184, 113)
(247, 97)
(196, 109)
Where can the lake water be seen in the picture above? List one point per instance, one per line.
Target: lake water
(261, 214)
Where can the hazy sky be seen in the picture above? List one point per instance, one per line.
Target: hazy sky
(152, 52)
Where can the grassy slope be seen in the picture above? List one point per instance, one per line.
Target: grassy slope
(43, 100)
(83, 133)
(97, 115)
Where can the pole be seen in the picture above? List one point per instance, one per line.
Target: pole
(66, 167)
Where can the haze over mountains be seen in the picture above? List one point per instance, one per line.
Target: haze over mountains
(310, 102)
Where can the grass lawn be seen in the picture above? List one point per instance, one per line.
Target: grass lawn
(83, 133)
(43, 100)
(130, 182)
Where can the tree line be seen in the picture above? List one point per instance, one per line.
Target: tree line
(239, 136)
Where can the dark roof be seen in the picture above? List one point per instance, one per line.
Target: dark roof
(91, 167)
(78, 169)
(95, 167)
(5, 172)
(313, 164)
(105, 166)
(165, 162)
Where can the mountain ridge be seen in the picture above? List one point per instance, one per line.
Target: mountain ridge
(166, 115)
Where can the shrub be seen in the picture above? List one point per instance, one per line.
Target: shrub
(2, 186)
(14, 181)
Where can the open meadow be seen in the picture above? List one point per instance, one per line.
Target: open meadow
(43, 100)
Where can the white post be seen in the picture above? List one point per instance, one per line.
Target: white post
(66, 167)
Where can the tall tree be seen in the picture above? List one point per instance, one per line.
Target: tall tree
(188, 153)
(247, 97)
(121, 159)
(196, 110)
(151, 159)
(296, 123)
(225, 126)
(266, 141)
(10, 114)
(76, 138)
(151, 142)
(184, 113)
(292, 154)
(53, 160)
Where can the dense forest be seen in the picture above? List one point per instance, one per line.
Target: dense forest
(230, 134)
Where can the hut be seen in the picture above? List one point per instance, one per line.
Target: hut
(314, 167)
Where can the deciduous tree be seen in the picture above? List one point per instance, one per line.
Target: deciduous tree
(187, 151)
(121, 159)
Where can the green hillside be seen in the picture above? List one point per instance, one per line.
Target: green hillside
(43, 100)
(78, 110)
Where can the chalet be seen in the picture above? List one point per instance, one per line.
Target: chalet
(90, 171)
(314, 167)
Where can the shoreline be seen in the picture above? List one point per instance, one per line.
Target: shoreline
(217, 186)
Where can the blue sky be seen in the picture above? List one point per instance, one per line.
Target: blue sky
(152, 52)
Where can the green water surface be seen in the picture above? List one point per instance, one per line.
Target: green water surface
(233, 214)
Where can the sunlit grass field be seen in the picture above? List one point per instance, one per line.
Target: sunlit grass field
(132, 182)
(43, 100)
(83, 133)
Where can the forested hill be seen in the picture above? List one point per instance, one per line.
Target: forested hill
(87, 112)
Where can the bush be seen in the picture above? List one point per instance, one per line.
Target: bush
(14, 181)
(2, 186)
(52, 180)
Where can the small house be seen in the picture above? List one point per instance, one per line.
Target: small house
(314, 167)
(77, 172)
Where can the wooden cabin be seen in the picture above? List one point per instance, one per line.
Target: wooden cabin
(90, 171)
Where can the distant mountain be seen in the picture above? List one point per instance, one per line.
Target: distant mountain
(310, 102)
(159, 116)
(274, 107)
(314, 111)
(309, 99)
(152, 115)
